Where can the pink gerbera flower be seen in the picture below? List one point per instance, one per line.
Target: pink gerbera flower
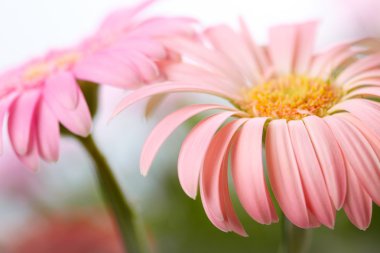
(44, 93)
(314, 119)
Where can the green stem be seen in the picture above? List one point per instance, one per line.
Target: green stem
(294, 239)
(114, 197)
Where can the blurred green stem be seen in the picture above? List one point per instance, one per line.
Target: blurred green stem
(114, 197)
(294, 239)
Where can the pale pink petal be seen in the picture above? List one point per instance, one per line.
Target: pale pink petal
(78, 120)
(366, 111)
(107, 68)
(257, 51)
(358, 205)
(375, 81)
(154, 103)
(21, 121)
(159, 27)
(163, 88)
(194, 74)
(364, 92)
(212, 166)
(5, 102)
(358, 67)
(248, 172)
(146, 46)
(62, 87)
(305, 45)
(163, 130)
(330, 158)
(315, 189)
(47, 133)
(214, 180)
(282, 47)
(193, 151)
(207, 58)
(359, 154)
(223, 38)
(368, 133)
(31, 159)
(284, 175)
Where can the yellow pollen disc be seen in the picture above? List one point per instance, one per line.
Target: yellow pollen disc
(290, 97)
(36, 72)
(66, 60)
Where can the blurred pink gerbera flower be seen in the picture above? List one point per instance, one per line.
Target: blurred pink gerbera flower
(124, 52)
(314, 115)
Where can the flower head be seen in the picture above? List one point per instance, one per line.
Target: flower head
(43, 93)
(312, 117)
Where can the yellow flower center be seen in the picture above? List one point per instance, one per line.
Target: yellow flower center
(40, 70)
(290, 97)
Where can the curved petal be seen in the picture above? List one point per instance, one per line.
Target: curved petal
(358, 205)
(330, 158)
(48, 133)
(214, 182)
(366, 111)
(5, 103)
(248, 172)
(359, 154)
(78, 120)
(194, 148)
(21, 121)
(163, 88)
(284, 175)
(163, 130)
(316, 192)
(62, 87)
(364, 92)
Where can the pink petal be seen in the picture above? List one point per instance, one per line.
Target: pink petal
(208, 58)
(62, 87)
(257, 51)
(330, 158)
(162, 88)
(366, 111)
(214, 181)
(5, 102)
(359, 154)
(248, 172)
(375, 81)
(305, 45)
(107, 68)
(316, 193)
(284, 175)
(21, 121)
(358, 205)
(364, 92)
(282, 47)
(31, 159)
(149, 47)
(163, 130)
(193, 151)
(358, 67)
(48, 134)
(78, 120)
(223, 38)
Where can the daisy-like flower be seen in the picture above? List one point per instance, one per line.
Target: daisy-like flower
(43, 93)
(313, 118)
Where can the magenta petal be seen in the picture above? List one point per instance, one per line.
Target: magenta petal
(248, 172)
(63, 87)
(21, 121)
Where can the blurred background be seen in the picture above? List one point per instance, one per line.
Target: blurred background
(59, 208)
